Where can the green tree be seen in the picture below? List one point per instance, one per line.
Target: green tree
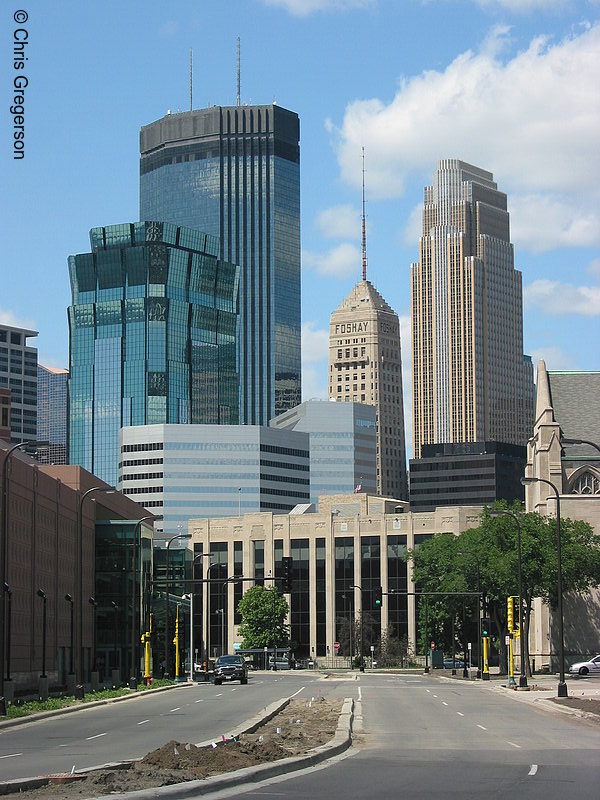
(486, 557)
(263, 613)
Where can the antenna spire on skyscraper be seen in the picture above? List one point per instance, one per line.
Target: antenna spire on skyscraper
(190, 78)
(364, 224)
(238, 72)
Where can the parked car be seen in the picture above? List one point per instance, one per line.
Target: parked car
(230, 668)
(591, 667)
(458, 663)
(282, 663)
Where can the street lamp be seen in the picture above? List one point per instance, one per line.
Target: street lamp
(580, 441)
(69, 600)
(208, 582)
(169, 543)
(135, 596)
(116, 618)
(221, 611)
(93, 602)
(41, 593)
(350, 626)
(190, 597)
(8, 593)
(362, 628)
(3, 562)
(562, 686)
(79, 662)
(522, 676)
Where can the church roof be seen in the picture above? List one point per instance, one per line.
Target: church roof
(575, 398)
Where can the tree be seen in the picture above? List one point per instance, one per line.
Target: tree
(263, 613)
(487, 555)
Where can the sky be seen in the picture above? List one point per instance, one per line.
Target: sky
(511, 86)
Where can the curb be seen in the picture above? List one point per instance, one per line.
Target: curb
(340, 742)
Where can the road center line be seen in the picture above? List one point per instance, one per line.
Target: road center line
(12, 755)
(97, 736)
(481, 726)
(533, 769)
(514, 745)
(143, 722)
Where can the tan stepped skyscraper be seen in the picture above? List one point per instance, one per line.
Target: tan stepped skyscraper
(471, 381)
(365, 366)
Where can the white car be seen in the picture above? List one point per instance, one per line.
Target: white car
(591, 667)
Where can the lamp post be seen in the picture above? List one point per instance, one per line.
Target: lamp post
(344, 597)
(169, 543)
(362, 628)
(190, 597)
(581, 441)
(208, 581)
(135, 595)
(69, 600)
(116, 634)
(92, 601)
(41, 593)
(8, 593)
(3, 562)
(221, 611)
(562, 686)
(522, 676)
(79, 661)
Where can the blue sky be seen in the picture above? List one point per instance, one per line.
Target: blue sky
(509, 85)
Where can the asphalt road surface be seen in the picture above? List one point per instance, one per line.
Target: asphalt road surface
(448, 740)
(124, 730)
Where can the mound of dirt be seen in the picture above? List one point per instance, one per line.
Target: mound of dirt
(301, 726)
(591, 705)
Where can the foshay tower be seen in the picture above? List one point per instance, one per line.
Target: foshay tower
(365, 366)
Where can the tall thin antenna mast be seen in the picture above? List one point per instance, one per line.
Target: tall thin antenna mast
(238, 72)
(190, 78)
(364, 224)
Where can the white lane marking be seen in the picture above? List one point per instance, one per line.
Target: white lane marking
(460, 714)
(298, 692)
(219, 695)
(444, 703)
(143, 722)
(514, 745)
(97, 736)
(12, 755)
(175, 709)
(482, 728)
(428, 690)
(199, 701)
(533, 769)
(435, 695)
(359, 693)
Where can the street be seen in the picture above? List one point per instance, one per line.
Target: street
(415, 735)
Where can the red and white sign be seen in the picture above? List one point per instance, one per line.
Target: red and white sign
(433, 645)
(336, 646)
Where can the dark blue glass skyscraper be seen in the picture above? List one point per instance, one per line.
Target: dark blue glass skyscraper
(153, 337)
(234, 172)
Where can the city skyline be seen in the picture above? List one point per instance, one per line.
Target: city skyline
(403, 82)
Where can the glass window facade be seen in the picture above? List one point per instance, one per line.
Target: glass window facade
(153, 337)
(235, 173)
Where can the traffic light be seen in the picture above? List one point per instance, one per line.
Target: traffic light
(378, 595)
(510, 614)
(485, 627)
(286, 564)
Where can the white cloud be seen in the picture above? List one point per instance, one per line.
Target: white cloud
(8, 317)
(531, 119)
(560, 299)
(554, 357)
(594, 267)
(339, 222)
(544, 222)
(302, 8)
(414, 227)
(315, 359)
(339, 262)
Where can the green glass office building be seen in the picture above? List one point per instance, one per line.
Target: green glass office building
(153, 328)
(234, 172)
